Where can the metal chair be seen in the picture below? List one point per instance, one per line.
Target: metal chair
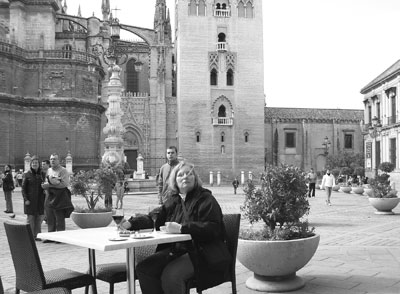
(28, 268)
(232, 225)
(113, 273)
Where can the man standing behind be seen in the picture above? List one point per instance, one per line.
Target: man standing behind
(312, 178)
(8, 188)
(58, 203)
(235, 184)
(165, 171)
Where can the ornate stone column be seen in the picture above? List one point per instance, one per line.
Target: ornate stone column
(113, 143)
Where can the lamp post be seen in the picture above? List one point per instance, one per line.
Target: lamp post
(375, 128)
(326, 145)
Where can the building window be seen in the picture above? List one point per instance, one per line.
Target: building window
(222, 149)
(290, 140)
(229, 77)
(132, 77)
(67, 51)
(241, 9)
(369, 114)
(197, 137)
(378, 110)
(348, 141)
(392, 151)
(222, 111)
(192, 7)
(213, 77)
(202, 8)
(222, 137)
(246, 137)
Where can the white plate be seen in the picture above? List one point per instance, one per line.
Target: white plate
(118, 239)
(142, 236)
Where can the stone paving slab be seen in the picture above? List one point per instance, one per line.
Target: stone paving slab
(359, 251)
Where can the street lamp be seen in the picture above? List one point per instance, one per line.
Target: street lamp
(326, 145)
(375, 128)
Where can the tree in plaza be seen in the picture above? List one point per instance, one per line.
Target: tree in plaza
(346, 159)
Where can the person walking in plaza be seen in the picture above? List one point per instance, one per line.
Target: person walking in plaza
(327, 183)
(312, 178)
(191, 209)
(58, 203)
(120, 192)
(33, 195)
(235, 185)
(8, 188)
(45, 165)
(165, 170)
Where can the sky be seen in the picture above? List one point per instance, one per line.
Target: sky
(317, 53)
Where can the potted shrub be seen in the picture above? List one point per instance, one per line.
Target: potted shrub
(344, 187)
(284, 243)
(90, 186)
(384, 197)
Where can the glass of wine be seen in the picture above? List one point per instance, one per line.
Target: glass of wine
(154, 212)
(117, 215)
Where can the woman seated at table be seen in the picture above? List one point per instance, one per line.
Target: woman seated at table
(191, 210)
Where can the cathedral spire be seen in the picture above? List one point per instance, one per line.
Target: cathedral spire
(105, 9)
(162, 24)
(65, 7)
(79, 11)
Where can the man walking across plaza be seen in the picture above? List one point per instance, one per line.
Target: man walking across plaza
(58, 203)
(235, 184)
(165, 171)
(327, 183)
(8, 188)
(312, 178)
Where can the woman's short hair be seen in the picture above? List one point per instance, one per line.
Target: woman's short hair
(172, 177)
(34, 157)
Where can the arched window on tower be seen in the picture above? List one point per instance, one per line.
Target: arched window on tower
(222, 111)
(192, 7)
(197, 137)
(223, 6)
(241, 9)
(67, 51)
(246, 137)
(202, 8)
(218, 6)
(214, 77)
(222, 149)
(249, 10)
(229, 77)
(221, 37)
(132, 77)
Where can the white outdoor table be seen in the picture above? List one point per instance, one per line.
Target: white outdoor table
(98, 239)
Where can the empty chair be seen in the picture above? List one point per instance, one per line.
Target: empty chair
(113, 273)
(28, 268)
(47, 291)
(232, 224)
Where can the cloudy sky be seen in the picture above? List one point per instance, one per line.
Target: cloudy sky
(317, 53)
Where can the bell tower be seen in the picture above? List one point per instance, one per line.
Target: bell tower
(220, 85)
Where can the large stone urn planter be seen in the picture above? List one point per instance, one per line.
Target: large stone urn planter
(335, 188)
(86, 220)
(345, 189)
(357, 190)
(368, 192)
(384, 205)
(275, 263)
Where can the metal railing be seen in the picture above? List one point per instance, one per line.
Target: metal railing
(224, 121)
(222, 13)
(221, 46)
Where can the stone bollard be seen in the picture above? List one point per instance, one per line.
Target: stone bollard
(250, 176)
(242, 177)
(68, 163)
(211, 178)
(27, 162)
(218, 178)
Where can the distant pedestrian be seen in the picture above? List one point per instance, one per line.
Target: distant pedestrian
(8, 188)
(312, 179)
(120, 191)
(165, 170)
(126, 188)
(327, 183)
(45, 167)
(235, 185)
(19, 176)
(33, 194)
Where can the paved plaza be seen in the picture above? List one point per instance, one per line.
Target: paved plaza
(359, 251)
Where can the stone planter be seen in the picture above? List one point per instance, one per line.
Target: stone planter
(384, 205)
(357, 190)
(345, 189)
(274, 263)
(368, 192)
(86, 220)
(335, 188)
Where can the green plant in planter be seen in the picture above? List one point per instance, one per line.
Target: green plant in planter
(280, 202)
(380, 185)
(91, 185)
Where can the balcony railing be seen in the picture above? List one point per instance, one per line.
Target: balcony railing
(222, 121)
(222, 13)
(47, 54)
(391, 120)
(222, 46)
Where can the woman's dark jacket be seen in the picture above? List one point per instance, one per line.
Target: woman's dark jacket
(8, 182)
(204, 224)
(32, 191)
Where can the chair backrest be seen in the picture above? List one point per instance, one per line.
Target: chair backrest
(232, 225)
(1, 287)
(29, 274)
